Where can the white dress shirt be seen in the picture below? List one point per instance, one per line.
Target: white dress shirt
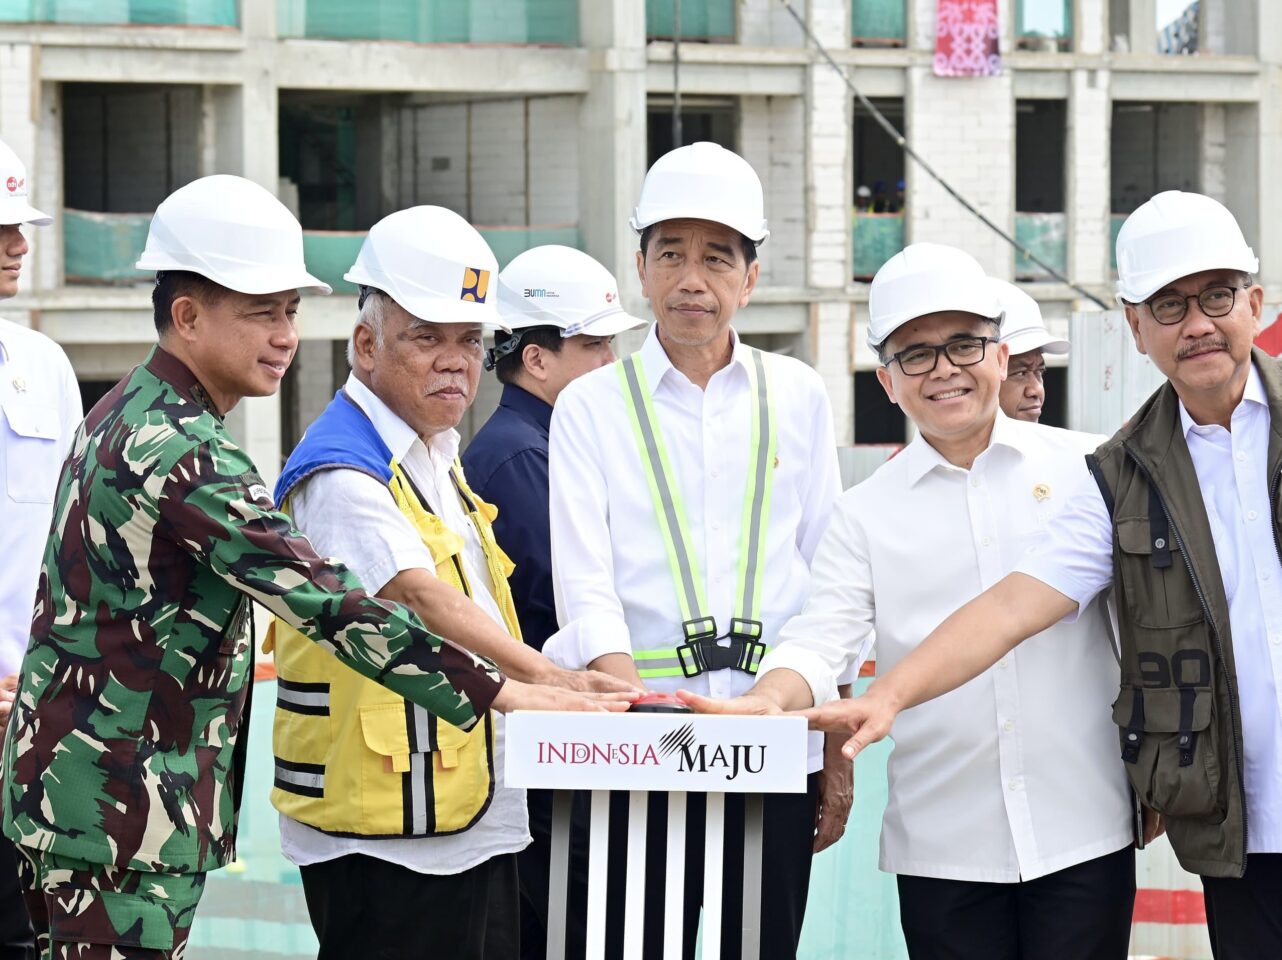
(40, 401)
(350, 515)
(610, 570)
(1077, 561)
(1017, 773)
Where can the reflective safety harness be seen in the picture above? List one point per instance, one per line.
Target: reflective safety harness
(741, 647)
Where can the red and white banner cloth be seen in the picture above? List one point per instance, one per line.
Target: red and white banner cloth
(966, 33)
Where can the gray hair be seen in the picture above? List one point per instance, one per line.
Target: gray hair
(372, 314)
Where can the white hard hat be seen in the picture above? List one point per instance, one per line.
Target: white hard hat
(1173, 235)
(703, 181)
(433, 263)
(231, 231)
(14, 207)
(1022, 325)
(555, 286)
(927, 278)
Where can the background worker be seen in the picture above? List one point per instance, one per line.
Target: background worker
(739, 429)
(562, 312)
(1182, 517)
(124, 758)
(1009, 822)
(40, 402)
(404, 833)
(1023, 392)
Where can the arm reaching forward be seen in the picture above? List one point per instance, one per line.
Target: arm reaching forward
(959, 649)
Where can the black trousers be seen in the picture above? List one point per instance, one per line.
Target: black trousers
(1080, 913)
(17, 942)
(1244, 915)
(788, 837)
(368, 908)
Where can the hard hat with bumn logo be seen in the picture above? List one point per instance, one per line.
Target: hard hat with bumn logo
(14, 191)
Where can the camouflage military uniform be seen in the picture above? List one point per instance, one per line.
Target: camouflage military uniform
(122, 747)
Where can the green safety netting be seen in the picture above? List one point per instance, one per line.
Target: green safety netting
(874, 239)
(103, 247)
(877, 20)
(554, 22)
(1046, 235)
(209, 13)
(1115, 222)
(700, 19)
(1044, 18)
(330, 254)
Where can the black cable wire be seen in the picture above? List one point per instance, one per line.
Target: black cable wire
(902, 143)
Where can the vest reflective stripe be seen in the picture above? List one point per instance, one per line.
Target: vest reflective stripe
(305, 778)
(670, 511)
(667, 503)
(665, 662)
(310, 698)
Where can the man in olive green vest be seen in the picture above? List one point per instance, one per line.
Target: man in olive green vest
(1183, 520)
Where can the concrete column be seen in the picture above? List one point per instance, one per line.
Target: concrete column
(1090, 120)
(1090, 26)
(612, 138)
(246, 131)
(828, 165)
(946, 118)
(1255, 133)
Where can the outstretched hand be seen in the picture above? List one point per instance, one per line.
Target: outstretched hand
(587, 681)
(747, 705)
(516, 695)
(866, 718)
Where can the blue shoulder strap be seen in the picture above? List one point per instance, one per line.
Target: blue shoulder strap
(342, 436)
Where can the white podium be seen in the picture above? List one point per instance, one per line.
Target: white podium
(673, 753)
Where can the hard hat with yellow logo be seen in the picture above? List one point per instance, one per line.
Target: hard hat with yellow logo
(433, 263)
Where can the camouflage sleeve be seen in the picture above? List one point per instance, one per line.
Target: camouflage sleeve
(214, 504)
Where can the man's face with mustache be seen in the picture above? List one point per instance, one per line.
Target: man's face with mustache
(425, 372)
(1203, 357)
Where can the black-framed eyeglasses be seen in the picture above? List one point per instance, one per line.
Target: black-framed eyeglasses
(1170, 308)
(962, 352)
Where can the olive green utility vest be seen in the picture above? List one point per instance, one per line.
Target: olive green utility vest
(1177, 710)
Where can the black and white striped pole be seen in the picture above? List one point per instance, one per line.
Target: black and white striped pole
(644, 753)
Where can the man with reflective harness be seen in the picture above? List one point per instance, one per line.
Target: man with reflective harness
(402, 829)
(690, 485)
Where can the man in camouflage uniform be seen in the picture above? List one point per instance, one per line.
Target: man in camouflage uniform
(123, 759)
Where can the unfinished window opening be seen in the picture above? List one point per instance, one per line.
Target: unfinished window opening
(880, 190)
(703, 21)
(877, 420)
(134, 145)
(1041, 225)
(701, 119)
(1044, 25)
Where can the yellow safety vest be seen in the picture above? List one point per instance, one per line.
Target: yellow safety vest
(354, 758)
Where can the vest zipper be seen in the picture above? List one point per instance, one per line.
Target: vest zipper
(1234, 708)
(462, 578)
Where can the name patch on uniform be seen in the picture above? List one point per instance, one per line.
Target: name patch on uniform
(258, 492)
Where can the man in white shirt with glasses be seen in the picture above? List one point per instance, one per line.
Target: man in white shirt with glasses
(1009, 823)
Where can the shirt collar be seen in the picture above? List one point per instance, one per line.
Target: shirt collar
(5, 326)
(920, 458)
(527, 405)
(658, 365)
(164, 366)
(395, 432)
(1253, 393)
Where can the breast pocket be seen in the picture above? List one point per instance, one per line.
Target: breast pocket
(33, 453)
(1158, 597)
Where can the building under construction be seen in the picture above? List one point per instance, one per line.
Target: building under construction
(535, 119)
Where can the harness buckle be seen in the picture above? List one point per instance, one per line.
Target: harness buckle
(705, 651)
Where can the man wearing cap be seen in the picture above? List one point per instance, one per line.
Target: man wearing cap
(744, 441)
(1023, 392)
(124, 758)
(1182, 518)
(562, 311)
(1009, 824)
(40, 401)
(404, 834)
